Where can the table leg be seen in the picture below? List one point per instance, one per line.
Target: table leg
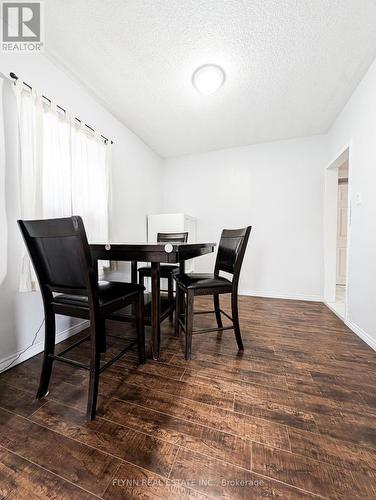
(134, 271)
(155, 309)
(95, 265)
(133, 280)
(182, 303)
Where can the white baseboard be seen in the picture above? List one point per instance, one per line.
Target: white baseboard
(353, 327)
(361, 333)
(279, 295)
(332, 307)
(38, 347)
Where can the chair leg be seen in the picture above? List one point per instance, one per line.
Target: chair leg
(217, 311)
(49, 348)
(94, 374)
(178, 308)
(235, 319)
(140, 329)
(171, 295)
(189, 325)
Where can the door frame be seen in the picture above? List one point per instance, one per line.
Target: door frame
(330, 226)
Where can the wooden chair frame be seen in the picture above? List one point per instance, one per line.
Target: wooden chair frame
(185, 297)
(73, 227)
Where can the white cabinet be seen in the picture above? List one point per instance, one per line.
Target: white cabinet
(173, 223)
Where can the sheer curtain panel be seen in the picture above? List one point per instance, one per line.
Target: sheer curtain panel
(29, 107)
(64, 170)
(3, 215)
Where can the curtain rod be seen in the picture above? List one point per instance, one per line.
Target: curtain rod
(15, 77)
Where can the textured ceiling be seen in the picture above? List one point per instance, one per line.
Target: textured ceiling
(290, 65)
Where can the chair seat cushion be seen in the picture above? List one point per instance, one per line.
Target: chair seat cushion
(166, 270)
(198, 281)
(109, 293)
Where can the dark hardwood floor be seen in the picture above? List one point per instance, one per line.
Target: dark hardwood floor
(292, 417)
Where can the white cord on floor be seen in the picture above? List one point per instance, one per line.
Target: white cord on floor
(20, 354)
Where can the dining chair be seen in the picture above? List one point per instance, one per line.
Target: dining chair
(231, 250)
(69, 286)
(166, 270)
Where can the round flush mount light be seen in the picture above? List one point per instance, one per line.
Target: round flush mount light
(208, 78)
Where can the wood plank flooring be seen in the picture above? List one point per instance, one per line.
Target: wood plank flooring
(292, 417)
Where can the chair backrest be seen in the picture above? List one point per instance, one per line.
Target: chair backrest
(60, 254)
(172, 237)
(231, 250)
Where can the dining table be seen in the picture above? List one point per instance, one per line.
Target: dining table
(159, 307)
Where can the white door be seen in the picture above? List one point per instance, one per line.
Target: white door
(342, 233)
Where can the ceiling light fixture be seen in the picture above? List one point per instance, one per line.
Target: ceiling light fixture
(208, 78)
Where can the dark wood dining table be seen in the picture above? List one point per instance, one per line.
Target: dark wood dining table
(156, 253)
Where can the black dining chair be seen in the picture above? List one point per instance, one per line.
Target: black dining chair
(166, 270)
(231, 250)
(69, 285)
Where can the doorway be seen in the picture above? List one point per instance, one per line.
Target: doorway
(342, 217)
(336, 234)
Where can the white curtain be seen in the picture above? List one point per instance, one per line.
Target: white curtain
(64, 170)
(89, 183)
(3, 218)
(56, 185)
(29, 107)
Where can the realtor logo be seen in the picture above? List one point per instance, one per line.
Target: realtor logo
(22, 26)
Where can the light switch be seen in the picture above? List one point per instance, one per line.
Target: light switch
(358, 198)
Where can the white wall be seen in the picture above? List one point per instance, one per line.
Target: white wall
(277, 188)
(356, 125)
(136, 192)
